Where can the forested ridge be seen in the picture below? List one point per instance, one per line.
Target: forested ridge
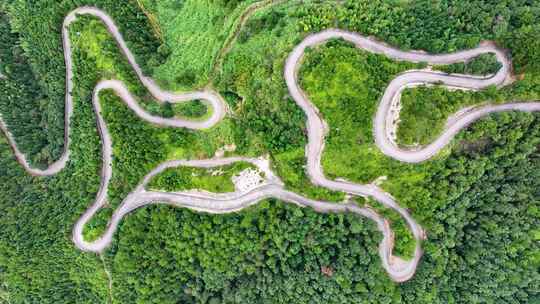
(38, 23)
(479, 201)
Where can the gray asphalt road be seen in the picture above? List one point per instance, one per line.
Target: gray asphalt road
(317, 127)
(398, 269)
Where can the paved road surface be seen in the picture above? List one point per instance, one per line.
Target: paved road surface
(398, 269)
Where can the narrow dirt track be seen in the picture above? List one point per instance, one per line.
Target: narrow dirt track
(398, 269)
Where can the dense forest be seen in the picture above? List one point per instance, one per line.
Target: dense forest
(479, 200)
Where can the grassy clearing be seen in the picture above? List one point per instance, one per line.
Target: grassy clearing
(195, 109)
(217, 180)
(345, 84)
(290, 166)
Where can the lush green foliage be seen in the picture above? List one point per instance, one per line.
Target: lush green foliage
(404, 242)
(478, 200)
(481, 212)
(192, 109)
(265, 118)
(426, 109)
(185, 178)
(46, 86)
(194, 32)
(525, 44)
(25, 119)
(271, 253)
(482, 65)
(282, 254)
(338, 77)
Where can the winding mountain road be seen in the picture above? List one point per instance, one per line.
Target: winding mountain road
(398, 269)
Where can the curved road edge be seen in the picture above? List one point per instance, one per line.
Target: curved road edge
(399, 270)
(318, 128)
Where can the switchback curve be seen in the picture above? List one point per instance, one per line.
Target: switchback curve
(212, 98)
(399, 270)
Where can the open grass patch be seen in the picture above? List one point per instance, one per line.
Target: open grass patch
(217, 180)
(346, 84)
(290, 166)
(194, 109)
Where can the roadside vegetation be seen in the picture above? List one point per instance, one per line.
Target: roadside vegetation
(425, 110)
(37, 74)
(217, 180)
(195, 109)
(478, 200)
(483, 65)
(194, 33)
(345, 84)
(404, 242)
